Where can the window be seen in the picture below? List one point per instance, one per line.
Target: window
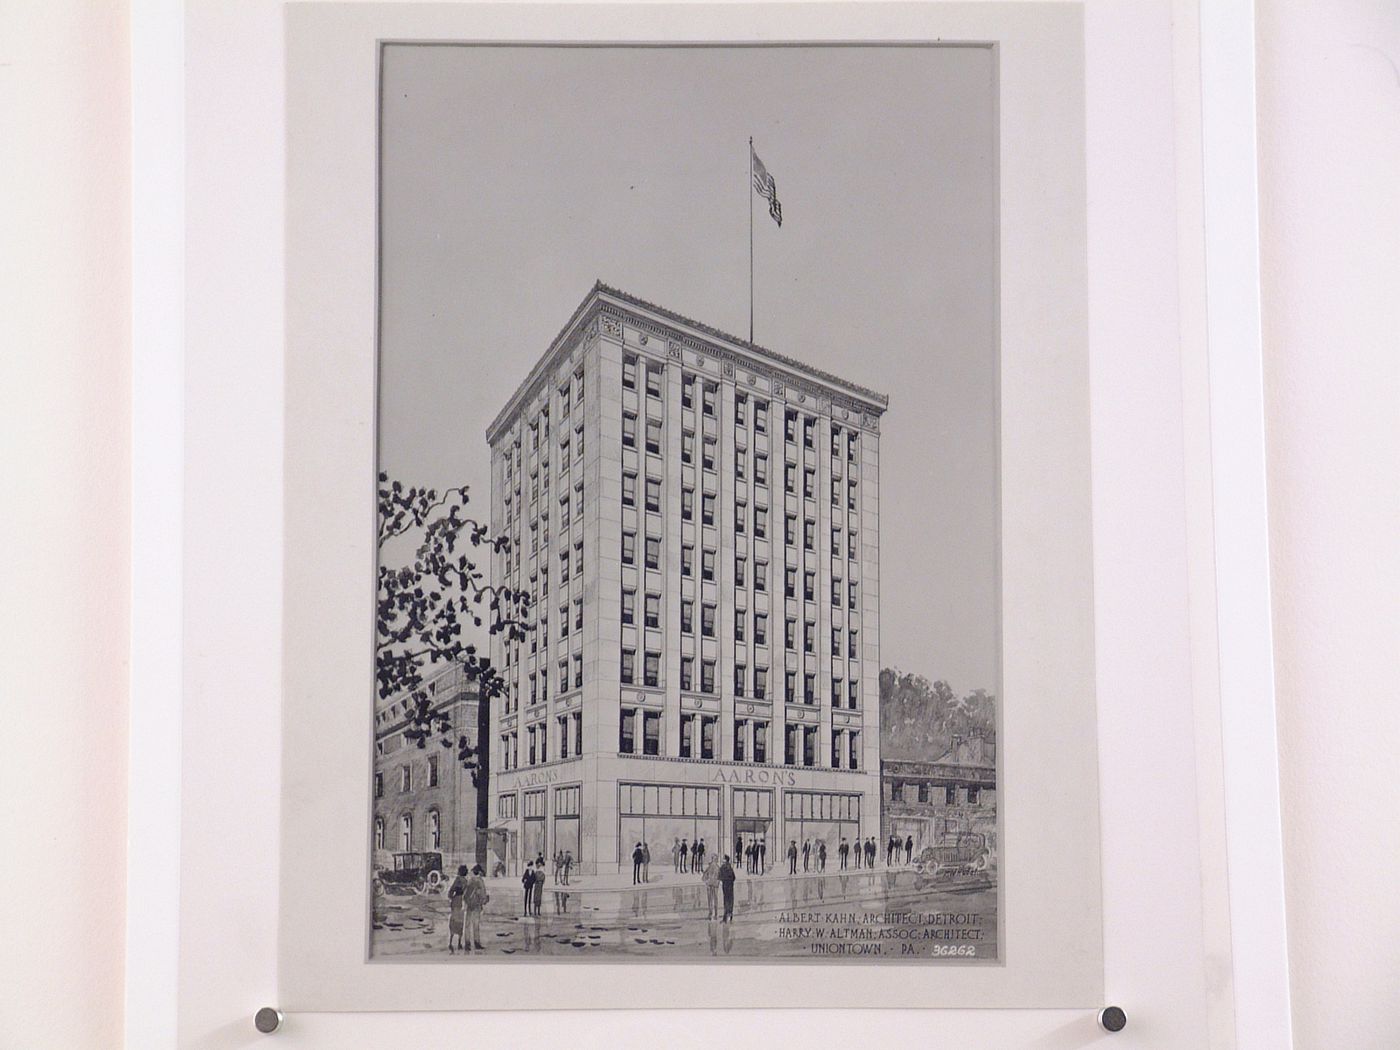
(629, 372)
(654, 436)
(809, 689)
(629, 666)
(853, 758)
(687, 616)
(653, 552)
(950, 796)
(707, 510)
(563, 721)
(531, 732)
(405, 778)
(741, 511)
(836, 641)
(687, 503)
(629, 490)
(760, 469)
(629, 609)
(760, 576)
(836, 748)
(687, 390)
(851, 696)
(740, 403)
(760, 688)
(578, 670)
(790, 749)
(809, 745)
(378, 832)
(629, 548)
(563, 676)
(835, 441)
(687, 446)
(790, 687)
(406, 833)
(835, 594)
(852, 593)
(851, 544)
(974, 795)
(708, 461)
(687, 560)
(760, 741)
(652, 669)
(790, 529)
(851, 448)
(687, 675)
(740, 463)
(707, 565)
(741, 679)
(809, 535)
(629, 429)
(923, 791)
(739, 564)
(790, 425)
(790, 478)
(708, 724)
(653, 380)
(688, 735)
(741, 727)
(809, 637)
(739, 618)
(790, 634)
(851, 495)
(653, 494)
(851, 648)
(707, 676)
(379, 785)
(809, 432)
(577, 717)
(809, 482)
(790, 583)
(563, 566)
(760, 416)
(626, 736)
(653, 610)
(809, 586)
(707, 621)
(710, 395)
(651, 732)
(760, 628)
(836, 692)
(760, 522)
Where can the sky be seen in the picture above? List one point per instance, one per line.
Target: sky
(512, 178)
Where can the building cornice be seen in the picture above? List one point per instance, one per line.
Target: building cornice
(613, 306)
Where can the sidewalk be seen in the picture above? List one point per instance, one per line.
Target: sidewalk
(669, 878)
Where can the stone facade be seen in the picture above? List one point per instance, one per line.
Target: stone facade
(697, 519)
(940, 803)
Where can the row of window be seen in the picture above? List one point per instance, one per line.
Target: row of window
(639, 732)
(406, 780)
(924, 792)
(568, 734)
(407, 843)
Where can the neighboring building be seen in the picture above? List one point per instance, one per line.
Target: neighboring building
(697, 520)
(424, 801)
(940, 802)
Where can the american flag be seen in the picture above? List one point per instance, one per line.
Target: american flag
(767, 187)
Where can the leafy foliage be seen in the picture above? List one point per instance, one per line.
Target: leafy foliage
(424, 607)
(919, 718)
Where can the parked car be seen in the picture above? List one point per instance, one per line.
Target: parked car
(412, 873)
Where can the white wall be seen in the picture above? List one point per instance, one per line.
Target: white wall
(64, 396)
(1329, 160)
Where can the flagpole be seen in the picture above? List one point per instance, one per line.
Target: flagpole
(750, 238)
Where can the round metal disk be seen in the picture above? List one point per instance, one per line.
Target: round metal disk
(1112, 1019)
(267, 1020)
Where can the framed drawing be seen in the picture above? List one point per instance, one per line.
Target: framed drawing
(704, 578)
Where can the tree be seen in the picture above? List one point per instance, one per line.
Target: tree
(424, 606)
(919, 718)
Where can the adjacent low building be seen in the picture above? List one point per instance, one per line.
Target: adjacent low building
(697, 521)
(424, 801)
(941, 802)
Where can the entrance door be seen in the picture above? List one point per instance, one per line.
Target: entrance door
(755, 829)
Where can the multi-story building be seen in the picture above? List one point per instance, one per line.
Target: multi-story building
(697, 519)
(941, 802)
(424, 800)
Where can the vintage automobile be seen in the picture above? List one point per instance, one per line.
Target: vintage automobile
(412, 873)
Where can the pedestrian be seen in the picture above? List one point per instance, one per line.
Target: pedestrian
(558, 863)
(870, 852)
(738, 846)
(528, 882)
(685, 855)
(726, 882)
(703, 850)
(646, 862)
(750, 853)
(792, 857)
(806, 854)
(821, 855)
(568, 864)
(475, 899)
(539, 888)
(676, 855)
(908, 849)
(843, 851)
(637, 864)
(711, 879)
(456, 919)
(762, 852)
